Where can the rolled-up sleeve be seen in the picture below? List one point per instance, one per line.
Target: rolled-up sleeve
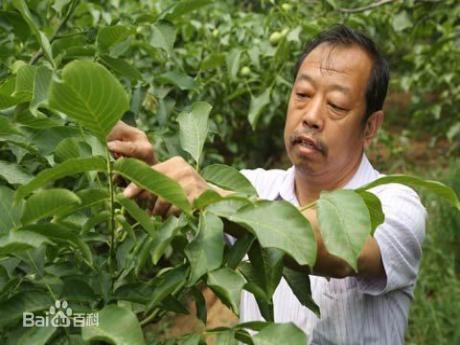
(399, 238)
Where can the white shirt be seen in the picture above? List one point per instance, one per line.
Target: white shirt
(353, 310)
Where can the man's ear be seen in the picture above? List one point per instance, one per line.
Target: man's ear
(372, 126)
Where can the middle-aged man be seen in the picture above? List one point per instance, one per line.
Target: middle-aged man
(334, 111)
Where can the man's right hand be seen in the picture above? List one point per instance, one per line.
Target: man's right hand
(129, 141)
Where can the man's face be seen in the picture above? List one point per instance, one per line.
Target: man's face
(323, 133)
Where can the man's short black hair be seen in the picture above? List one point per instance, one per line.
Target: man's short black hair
(340, 35)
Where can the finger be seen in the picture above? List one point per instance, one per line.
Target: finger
(132, 190)
(123, 148)
(161, 207)
(173, 210)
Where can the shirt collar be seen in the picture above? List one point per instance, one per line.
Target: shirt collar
(365, 174)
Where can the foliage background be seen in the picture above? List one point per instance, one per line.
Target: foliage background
(227, 54)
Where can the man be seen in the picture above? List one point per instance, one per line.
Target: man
(334, 111)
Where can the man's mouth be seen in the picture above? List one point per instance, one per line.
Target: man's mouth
(308, 143)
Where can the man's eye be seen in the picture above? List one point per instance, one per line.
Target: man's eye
(302, 95)
(337, 108)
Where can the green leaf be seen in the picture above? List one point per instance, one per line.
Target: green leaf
(438, 188)
(227, 177)
(227, 284)
(239, 250)
(205, 252)
(212, 61)
(186, 6)
(91, 95)
(67, 149)
(69, 167)
(344, 229)
(149, 179)
(60, 233)
(167, 284)
(164, 236)
(233, 62)
(122, 68)
(117, 325)
(200, 304)
(6, 127)
(268, 265)
(37, 336)
(30, 301)
(16, 241)
(47, 203)
(374, 206)
(194, 129)
(257, 105)
(179, 79)
(41, 85)
(21, 6)
(277, 224)
(89, 197)
(142, 217)
(25, 82)
(111, 35)
(13, 173)
(10, 214)
(163, 36)
(226, 338)
(299, 282)
(401, 21)
(206, 198)
(281, 333)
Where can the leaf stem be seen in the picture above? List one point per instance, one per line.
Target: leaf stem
(306, 207)
(111, 223)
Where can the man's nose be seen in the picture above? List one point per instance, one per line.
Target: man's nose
(313, 116)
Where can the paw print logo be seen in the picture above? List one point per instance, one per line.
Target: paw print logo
(60, 314)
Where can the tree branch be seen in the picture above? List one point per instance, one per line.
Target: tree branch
(366, 8)
(39, 53)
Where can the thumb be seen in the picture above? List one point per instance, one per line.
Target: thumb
(132, 190)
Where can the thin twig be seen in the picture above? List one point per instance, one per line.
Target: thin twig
(39, 53)
(365, 8)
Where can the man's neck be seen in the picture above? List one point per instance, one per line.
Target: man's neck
(308, 187)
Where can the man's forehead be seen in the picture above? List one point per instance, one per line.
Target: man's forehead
(338, 59)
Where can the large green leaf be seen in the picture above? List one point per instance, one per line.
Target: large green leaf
(276, 224)
(89, 197)
(91, 95)
(193, 126)
(299, 282)
(13, 173)
(227, 284)
(10, 214)
(438, 188)
(257, 105)
(111, 35)
(149, 179)
(344, 229)
(16, 241)
(117, 325)
(41, 85)
(69, 167)
(205, 252)
(276, 334)
(227, 177)
(47, 203)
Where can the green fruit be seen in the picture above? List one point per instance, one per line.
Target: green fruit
(275, 37)
(286, 7)
(215, 32)
(245, 71)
